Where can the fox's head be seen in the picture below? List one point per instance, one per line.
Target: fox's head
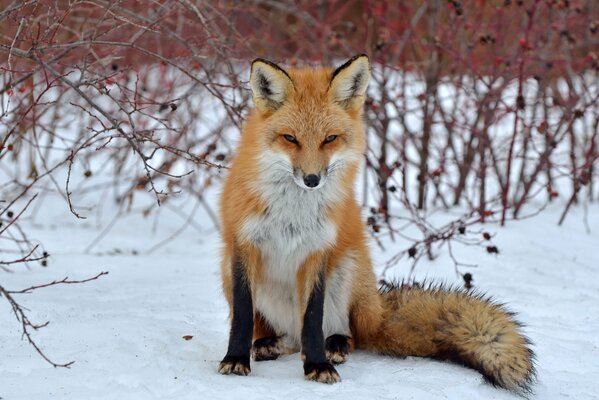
(307, 123)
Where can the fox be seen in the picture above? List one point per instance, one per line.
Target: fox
(296, 267)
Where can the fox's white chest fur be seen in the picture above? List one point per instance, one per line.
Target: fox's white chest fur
(294, 226)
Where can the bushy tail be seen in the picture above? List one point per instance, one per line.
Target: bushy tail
(452, 324)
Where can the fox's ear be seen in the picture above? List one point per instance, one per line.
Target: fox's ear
(270, 85)
(349, 82)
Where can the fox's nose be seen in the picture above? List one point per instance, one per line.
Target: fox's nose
(311, 180)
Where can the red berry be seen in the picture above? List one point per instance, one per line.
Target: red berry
(522, 42)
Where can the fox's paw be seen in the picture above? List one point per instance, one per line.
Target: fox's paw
(337, 348)
(266, 348)
(238, 365)
(321, 372)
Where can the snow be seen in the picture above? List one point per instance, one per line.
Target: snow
(125, 330)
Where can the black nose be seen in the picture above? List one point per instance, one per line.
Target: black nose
(311, 180)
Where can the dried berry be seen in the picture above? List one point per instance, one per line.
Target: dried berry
(584, 178)
(412, 252)
(563, 4)
(392, 189)
(467, 280)
(487, 235)
(492, 250)
(457, 6)
(87, 173)
(462, 230)
(484, 39)
(10, 214)
(520, 102)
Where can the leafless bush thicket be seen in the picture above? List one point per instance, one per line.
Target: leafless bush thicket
(489, 106)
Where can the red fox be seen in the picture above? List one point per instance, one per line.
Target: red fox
(296, 268)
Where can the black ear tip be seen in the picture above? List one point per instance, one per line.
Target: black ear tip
(358, 56)
(261, 60)
(348, 63)
(271, 64)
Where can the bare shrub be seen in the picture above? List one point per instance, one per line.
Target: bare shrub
(487, 106)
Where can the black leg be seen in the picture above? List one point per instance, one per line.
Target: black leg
(237, 360)
(316, 366)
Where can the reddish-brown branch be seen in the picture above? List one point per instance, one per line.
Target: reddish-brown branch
(583, 175)
(518, 106)
(25, 258)
(26, 324)
(155, 90)
(65, 280)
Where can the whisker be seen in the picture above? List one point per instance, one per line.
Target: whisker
(335, 166)
(285, 167)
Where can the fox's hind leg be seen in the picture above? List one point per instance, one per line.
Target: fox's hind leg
(267, 344)
(338, 347)
(271, 347)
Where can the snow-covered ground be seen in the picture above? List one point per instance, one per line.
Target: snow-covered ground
(125, 330)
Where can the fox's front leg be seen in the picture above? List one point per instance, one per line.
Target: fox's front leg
(237, 360)
(316, 366)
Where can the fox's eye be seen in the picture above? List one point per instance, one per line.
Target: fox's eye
(291, 138)
(330, 138)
